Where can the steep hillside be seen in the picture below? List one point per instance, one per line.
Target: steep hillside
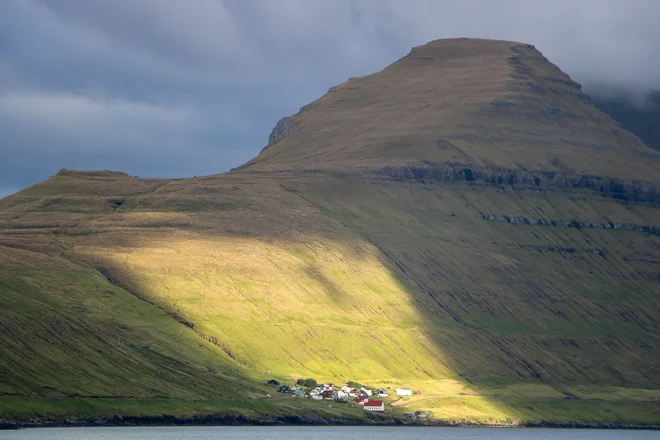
(482, 103)
(464, 222)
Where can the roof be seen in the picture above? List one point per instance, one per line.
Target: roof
(374, 403)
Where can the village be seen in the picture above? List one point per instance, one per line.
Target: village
(351, 392)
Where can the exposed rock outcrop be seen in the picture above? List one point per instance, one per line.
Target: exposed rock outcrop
(577, 224)
(637, 191)
(284, 127)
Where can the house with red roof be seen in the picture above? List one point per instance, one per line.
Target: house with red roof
(375, 406)
(329, 395)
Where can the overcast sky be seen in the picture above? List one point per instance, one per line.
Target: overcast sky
(172, 88)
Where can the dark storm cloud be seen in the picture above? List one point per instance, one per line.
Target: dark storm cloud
(171, 88)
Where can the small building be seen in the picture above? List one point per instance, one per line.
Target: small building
(361, 400)
(374, 406)
(366, 391)
(298, 391)
(317, 397)
(381, 392)
(329, 395)
(343, 395)
(401, 392)
(273, 382)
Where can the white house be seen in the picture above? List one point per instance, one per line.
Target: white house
(342, 395)
(366, 391)
(382, 392)
(401, 392)
(375, 406)
(317, 397)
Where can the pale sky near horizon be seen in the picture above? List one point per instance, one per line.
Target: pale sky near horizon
(165, 88)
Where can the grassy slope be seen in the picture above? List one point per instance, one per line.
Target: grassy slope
(73, 345)
(68, 332)
(524, 310)
(470, 102)
(382, 284)
(388, 283)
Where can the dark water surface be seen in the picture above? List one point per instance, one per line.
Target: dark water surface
(322, 433)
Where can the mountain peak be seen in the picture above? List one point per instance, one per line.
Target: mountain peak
(91, 173)
(486, 103)
(461, 47)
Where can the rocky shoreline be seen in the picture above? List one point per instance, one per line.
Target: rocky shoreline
(293, 420)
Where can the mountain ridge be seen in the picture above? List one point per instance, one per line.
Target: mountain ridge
(522, 90)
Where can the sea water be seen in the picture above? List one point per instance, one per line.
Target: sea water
(323, 433)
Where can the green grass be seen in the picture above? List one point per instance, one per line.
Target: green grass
(74, 334)
(340, 300)
(25, 408)
(507, 411)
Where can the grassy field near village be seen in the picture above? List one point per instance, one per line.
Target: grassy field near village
(149, 411)
(449, 410)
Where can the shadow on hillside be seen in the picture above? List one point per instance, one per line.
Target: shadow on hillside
(479, 330)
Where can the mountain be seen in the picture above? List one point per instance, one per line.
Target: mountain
(465, 223)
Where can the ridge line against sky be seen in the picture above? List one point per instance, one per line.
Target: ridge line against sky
(164, 88)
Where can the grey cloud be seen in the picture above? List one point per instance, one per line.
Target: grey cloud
(171, 88)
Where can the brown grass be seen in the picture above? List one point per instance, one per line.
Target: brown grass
(445, 90)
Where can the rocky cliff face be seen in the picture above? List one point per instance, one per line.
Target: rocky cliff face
(284, 127)
(636, 191)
